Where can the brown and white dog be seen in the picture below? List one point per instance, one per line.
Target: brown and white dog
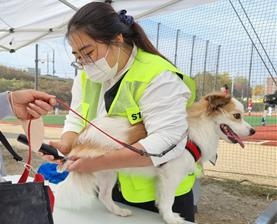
(214, 117)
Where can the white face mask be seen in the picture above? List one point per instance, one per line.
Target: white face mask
(100, 70)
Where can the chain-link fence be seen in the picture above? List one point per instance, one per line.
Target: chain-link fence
(230, 42)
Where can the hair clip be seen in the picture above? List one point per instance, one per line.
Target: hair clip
(128, 20)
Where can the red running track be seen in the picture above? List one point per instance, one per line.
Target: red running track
(267, 135)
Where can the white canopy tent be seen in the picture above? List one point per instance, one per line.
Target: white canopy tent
(23, 22)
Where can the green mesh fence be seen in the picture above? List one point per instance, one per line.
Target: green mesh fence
(230, 42)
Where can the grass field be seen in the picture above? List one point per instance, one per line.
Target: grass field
(59, 120)
(256, 120)
(47, 120)
(54, 119)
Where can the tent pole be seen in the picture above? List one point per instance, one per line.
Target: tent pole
(53, 72)
(69, 5)
(36, 62)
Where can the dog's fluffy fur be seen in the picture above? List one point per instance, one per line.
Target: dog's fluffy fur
(214, 117)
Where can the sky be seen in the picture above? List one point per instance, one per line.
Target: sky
(216, 22)
(25, 58)
(219, 23)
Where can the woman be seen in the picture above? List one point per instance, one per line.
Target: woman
(124, 75)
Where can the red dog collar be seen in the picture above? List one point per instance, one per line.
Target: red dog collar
(194, 150)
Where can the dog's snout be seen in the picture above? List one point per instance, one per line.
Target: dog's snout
(252, 131)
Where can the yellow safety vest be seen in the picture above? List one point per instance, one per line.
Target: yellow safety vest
(145, 68)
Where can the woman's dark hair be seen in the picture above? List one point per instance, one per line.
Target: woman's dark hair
(100, 21)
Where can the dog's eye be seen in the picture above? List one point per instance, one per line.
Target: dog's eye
(237, 116)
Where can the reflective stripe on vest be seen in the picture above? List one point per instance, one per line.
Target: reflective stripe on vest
(144, 69)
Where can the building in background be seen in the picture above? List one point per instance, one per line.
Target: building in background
(32, 71)
(270, 86)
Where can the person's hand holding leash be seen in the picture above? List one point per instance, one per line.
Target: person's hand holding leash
(31, 104)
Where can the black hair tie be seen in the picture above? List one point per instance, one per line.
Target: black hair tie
(128, 20)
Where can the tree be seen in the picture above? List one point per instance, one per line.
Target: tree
(210, 83)
(241, 87)
(224, 78)
(13, 79)
(204, 83)
(258, 90)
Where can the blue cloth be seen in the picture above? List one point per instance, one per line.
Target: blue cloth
(49, 171)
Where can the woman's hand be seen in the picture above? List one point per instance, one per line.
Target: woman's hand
(115, 159)
(82, 165)
(61, 147)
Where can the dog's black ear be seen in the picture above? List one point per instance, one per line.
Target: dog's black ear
(217, 100)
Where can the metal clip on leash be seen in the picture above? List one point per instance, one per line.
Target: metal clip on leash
(28, 167)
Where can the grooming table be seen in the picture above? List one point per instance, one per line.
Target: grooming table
(99, 214)
(269, 215)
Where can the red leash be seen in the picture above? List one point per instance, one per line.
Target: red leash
(38, 177)
(26, 171)
(132, 148)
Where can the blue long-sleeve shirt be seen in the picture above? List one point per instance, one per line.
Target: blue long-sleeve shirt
(5, 106)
